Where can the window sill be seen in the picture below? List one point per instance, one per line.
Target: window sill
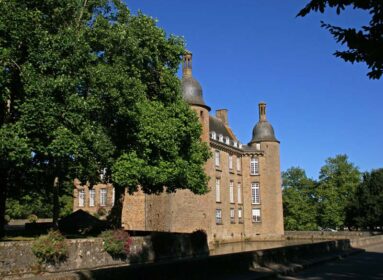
(257, 174)
(217, 168)
(218, 202)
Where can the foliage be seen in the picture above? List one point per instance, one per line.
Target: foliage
(364, 45)
(28, 204)
(299, 201)
(7, 219)
(86, 85)
(32, 218)
(116, 242)
(338, 181)
(50, 248)
(366, 208)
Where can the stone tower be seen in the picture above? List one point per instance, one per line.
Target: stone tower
(270, 180)
(192, 94)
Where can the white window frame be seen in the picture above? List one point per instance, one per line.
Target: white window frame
(220, 138)
(217, 158)
(256, 215)
(81, 198)
(235, 144)
(113, 195)
(258, 146)
(240, 215)
(92, 197)
(218, 190)
(218, 216)
(230, 162)
(238, 164)
(239, 193)
(255, 193)
(103, 196)
(232, 215)
(214, 135)
(231, 191)
(227, 140)
(254, 166)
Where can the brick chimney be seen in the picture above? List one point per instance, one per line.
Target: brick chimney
(222, 115)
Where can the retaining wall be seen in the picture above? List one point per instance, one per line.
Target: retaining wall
(17, 259)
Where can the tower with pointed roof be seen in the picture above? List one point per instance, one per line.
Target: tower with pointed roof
(244, 201)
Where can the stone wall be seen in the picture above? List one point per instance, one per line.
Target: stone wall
(17, 259)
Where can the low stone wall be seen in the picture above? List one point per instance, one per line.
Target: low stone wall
(327, 235)
(17, 259)
(211, 267)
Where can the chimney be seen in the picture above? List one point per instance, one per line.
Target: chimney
(187, 65)
(262, 111)
(222, 115)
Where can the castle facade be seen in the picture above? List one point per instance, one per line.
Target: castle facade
(245, 197)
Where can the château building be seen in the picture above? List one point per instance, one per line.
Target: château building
(245, 199)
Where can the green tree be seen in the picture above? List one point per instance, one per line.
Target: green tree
(364, 45)
(299, 201)
(86, 86)
(338, 180)
(366, 208)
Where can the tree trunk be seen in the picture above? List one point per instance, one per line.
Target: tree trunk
(3, 197)
(116, 212)
(56, 205)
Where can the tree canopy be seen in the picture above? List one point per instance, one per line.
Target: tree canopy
(364, 45)
(87, 86)
(338, 180)
(299, 204)
(366, 208)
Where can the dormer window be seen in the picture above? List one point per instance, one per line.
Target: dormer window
(227, 140)
(257, 146)
(235, 143)
(220, 138)
(240, 146)
(214, 135)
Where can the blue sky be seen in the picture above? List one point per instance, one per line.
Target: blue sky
(247, 51)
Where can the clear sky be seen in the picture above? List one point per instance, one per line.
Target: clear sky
(247, 51)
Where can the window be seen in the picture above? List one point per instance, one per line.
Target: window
(217, 190)
(240, 220)
(113, 196)
(239, 193)
(254, 166)
(81, 198)
(258, 146)
(255, 195)
(92, 196)
(238, 164)
(231, 192)
(235, 143)
(218, 216)
(103, 197)
(230, 162)
(227, 140)
(214, 135)
(220, 138)
(217, 160)
(256, 214)
(232, 216)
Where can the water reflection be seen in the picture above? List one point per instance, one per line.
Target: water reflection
(237, 247)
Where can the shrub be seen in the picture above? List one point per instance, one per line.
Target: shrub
(7, 219)
(116, 242)
(50, 248)
(32, 218)
(102, 212)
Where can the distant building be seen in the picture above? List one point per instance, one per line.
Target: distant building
(245, 199)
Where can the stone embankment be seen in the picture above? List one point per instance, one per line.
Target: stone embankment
(170, 256)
